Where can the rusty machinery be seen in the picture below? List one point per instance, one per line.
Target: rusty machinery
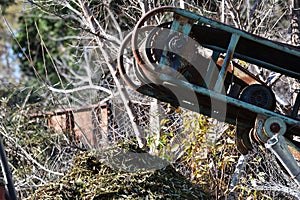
(188, 60)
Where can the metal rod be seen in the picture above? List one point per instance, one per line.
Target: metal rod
(296, 106)
(257, 62)
(10, 184)
(230, 100)
(229, 54)
(233, 30)
(279, 148)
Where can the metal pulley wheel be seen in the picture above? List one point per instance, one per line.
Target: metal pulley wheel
(274, 125)
(156, 40)
(259, 95)
(267, 128)
(131, 73)
(242, 139)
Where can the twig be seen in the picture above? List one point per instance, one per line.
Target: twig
(87, 87)
(27, 155)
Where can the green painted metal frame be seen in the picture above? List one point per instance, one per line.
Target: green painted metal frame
(182, 23)
(236, 35)
(229, 100)
(221, 26)
(229, 55)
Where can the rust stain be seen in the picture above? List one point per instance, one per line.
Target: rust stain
(294, 152)
(241, 73)
(58, 123)
(82, 122)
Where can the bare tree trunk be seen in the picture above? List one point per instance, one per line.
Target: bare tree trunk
(223, 11)
(94, 27)
(154, 124)
(295, 21)
(144, 6)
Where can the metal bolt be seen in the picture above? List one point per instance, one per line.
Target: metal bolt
(275, 127)
(177, 42)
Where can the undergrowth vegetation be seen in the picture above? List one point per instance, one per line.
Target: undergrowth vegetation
(68, 50)
(36, 153)
(45, 164)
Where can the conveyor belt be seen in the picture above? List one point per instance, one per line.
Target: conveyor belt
(251, 51)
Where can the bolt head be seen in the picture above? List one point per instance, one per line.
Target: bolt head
(275, 127)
